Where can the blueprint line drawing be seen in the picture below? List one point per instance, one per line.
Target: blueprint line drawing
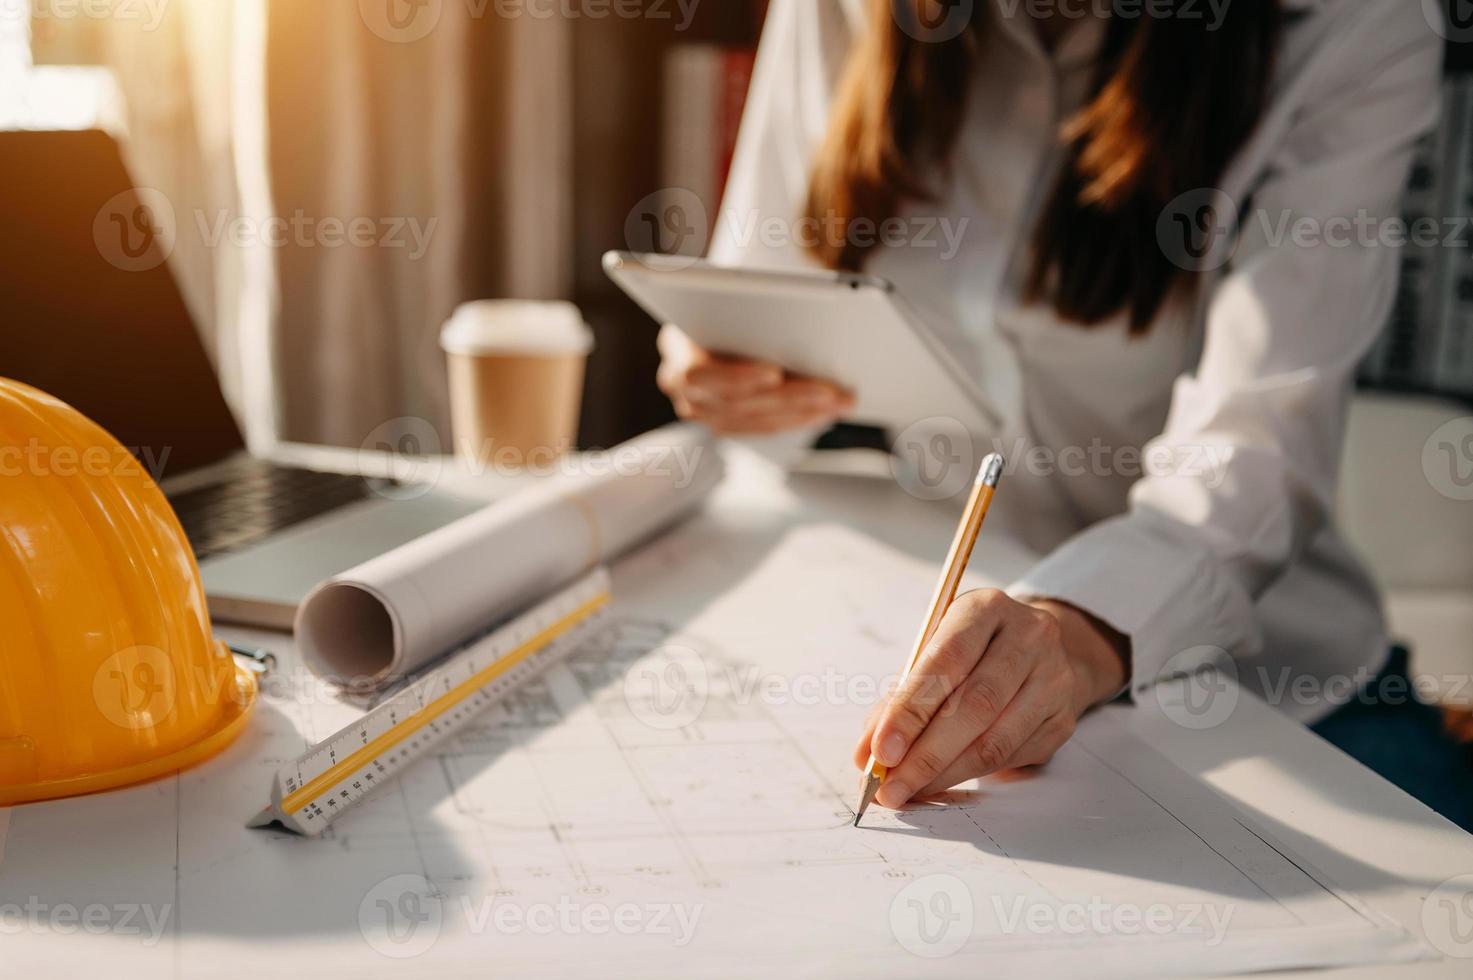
(691, 762)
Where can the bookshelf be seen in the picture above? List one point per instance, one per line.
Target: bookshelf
(619, 88)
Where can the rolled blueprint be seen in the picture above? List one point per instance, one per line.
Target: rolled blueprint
(399, 612)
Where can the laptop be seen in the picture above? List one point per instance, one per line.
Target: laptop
(100, 323)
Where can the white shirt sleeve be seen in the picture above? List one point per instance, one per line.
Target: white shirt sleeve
(1286, 327)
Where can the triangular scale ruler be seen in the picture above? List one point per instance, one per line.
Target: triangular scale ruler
(312, 791)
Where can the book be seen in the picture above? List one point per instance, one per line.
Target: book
(1427, 344)
(705, 94)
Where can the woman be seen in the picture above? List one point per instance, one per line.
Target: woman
(1169, 254)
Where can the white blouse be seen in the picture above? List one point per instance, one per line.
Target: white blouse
(1181, 483)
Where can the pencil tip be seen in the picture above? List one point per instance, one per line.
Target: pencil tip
(866, 796)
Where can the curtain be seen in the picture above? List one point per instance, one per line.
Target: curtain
(443, 132)
(344, 173)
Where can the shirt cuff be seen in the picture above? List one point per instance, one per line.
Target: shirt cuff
(1151, 581)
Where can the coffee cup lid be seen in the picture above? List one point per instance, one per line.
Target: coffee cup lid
(520, 327)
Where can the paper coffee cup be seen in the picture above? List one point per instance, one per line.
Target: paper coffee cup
(516, 379)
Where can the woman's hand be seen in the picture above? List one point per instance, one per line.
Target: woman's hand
(999, 686)
(740, 397)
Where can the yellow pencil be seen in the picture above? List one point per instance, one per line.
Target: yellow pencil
(951, 579)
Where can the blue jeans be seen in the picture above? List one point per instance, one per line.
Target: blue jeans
(1391, 732)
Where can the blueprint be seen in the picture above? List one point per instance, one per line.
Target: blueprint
(674, 799)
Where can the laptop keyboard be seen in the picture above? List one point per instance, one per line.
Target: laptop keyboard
(258, 499)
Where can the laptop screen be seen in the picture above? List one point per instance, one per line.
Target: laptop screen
(91, 314)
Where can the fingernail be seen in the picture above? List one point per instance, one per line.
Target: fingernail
(893, 794)
(892, 749)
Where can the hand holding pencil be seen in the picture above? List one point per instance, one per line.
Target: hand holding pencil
(991, 683)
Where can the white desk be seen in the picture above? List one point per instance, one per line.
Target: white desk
(1367, 836)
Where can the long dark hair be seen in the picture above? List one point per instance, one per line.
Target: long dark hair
(1174, 98)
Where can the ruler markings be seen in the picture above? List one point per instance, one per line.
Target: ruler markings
(431, 712)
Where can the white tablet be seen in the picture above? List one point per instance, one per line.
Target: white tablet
(851, 329)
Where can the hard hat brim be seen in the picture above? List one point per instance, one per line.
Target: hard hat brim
(235, 713)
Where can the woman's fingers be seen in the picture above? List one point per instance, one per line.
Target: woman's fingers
(793, 397)
(793, 404)
(862, 747)
(998, 699)
(737, 396)
(1047, 740)
(948, 659)
(711, 376)
(765, 425)
(1026, 727)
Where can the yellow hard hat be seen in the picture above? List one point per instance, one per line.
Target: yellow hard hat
(109, 674)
